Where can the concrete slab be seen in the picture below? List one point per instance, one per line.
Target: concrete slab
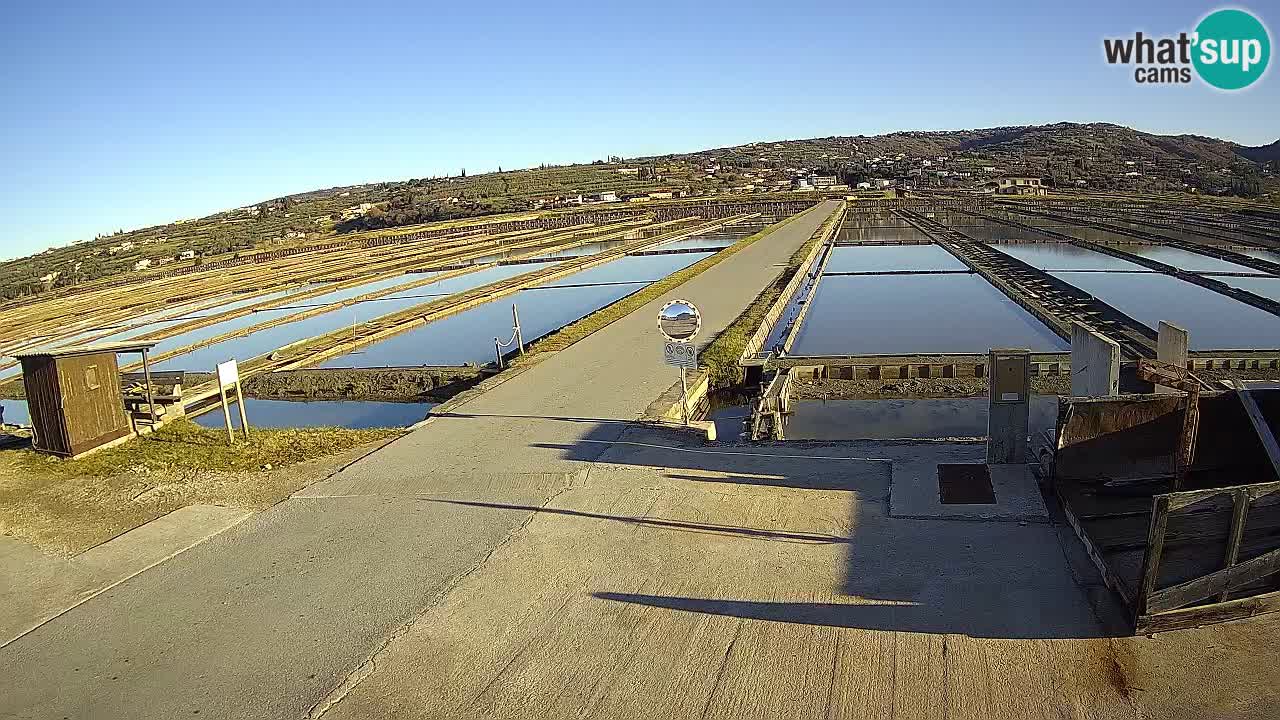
(913, 492)
(41, 587)
(749, 581)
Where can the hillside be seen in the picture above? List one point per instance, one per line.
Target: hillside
(1099, 153)
(1098, 156)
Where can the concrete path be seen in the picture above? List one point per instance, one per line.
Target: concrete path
(270, 617)
(770, 584)
(535, 555)
(39, 587)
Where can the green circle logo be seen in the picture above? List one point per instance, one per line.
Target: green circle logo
(1232, 49)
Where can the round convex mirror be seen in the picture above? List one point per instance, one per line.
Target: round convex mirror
(679, 320)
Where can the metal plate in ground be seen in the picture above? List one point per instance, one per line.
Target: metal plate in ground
(965, 484)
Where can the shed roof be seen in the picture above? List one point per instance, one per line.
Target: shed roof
(70, 350)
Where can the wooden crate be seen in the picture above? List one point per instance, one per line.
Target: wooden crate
(1204, 553)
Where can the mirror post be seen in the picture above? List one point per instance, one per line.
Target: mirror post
(684, 398)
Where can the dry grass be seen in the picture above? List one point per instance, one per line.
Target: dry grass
(184, 445)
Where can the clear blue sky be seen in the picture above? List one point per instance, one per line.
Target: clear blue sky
(125, 114)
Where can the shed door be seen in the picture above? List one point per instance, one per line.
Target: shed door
(91, 397)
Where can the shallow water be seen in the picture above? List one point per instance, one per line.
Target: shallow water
(15, 412)
(882, 258)
(905, 233)
(1064, 256)
(467, 337)
(1215, 321)
(1269, 255)
(353, 414)
(268, 339)
(892, 314)
(1187, 260)
(1267, 287)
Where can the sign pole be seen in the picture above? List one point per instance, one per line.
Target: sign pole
(515, 320)
(684, 397)
(679, 321)
(226, 414)
(244, 421)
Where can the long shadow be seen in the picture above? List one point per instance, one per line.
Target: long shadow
(702, 528)
(818, 483)
(986, 579)
(864, 615)
(477, 416)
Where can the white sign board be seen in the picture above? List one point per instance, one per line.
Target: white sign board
(680, 354)
(228, 373)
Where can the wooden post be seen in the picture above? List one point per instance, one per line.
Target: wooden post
(515, 319)
(1171, 348)
(244, 421)
(1239, 515)
(151, 399)
(226, 414)
(684, 397)
(1155, 548)
(1187, 440)
(1180, 378)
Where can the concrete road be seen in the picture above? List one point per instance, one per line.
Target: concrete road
(534, 555)
(271, 617)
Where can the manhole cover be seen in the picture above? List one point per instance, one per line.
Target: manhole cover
(965, 484)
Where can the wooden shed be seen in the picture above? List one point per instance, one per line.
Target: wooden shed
(74, 398)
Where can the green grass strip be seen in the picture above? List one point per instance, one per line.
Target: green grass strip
(720, 356)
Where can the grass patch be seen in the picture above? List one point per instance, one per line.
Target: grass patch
(184, 445)
(609, 314)
(720, 356)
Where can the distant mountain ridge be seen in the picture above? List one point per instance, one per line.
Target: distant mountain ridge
(1096, 156)
(1062, 140)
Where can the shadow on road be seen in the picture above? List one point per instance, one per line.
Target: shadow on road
(703, 528)
(978, 578)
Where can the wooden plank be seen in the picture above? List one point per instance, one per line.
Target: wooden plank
(1260, 426)
(1189, 527)
(1178, 596)
(1239, 515)
(1208, 614)
(1187, 497)
(1155, 547)
(1112, 580)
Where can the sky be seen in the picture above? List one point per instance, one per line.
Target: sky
(122, 115)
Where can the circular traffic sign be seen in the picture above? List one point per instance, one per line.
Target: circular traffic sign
(679, 320)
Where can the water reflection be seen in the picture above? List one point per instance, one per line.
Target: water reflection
(1064, 256)
(891, 314)
(15, 412)
(353, 414)
(1215, 321)
(468, 336)
(882, 258)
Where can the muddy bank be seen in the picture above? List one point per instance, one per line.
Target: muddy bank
(434, 384)
(818, 389)
(397, 385)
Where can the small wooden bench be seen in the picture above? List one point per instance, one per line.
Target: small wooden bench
(166, 388)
